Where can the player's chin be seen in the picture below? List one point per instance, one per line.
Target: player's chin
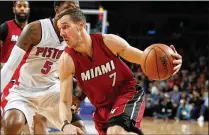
(70, 45)
(74, 45)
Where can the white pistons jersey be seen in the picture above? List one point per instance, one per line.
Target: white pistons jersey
(39, 72)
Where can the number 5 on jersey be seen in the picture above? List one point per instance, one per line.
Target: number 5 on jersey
(47, 67)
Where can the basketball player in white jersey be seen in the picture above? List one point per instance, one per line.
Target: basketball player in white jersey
(37, 90)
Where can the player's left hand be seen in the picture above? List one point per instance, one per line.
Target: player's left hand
(178, 60)
(72, 130)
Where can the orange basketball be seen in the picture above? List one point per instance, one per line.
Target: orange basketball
(157, 62)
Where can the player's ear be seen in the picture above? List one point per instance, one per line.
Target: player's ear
(56, 10)
(13, 8)
(82, 25)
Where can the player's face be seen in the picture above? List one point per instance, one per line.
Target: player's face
(21, 11)
(69, 30)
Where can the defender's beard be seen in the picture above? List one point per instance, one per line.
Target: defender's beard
(20, 18)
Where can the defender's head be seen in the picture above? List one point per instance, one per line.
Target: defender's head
(68, 4)
(21, 10)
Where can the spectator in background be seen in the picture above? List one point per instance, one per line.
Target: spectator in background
(201, 83)
(192, 77)
(154, 90)
(196, 103)
(185, 80)
(162, 86)
(203, 110)
(184, 109)
(152, 99)
(204, 107)
(164, 109)
(202, 61)
(155, 93)
(170, 84)
(175, 97)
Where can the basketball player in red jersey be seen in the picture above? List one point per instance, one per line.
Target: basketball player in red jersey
(10, 30)
(104, 78)
(9, 33)
(37, 91)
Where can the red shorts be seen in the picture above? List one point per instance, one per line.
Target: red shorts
(127, 111)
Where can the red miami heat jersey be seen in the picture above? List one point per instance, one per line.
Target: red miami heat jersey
(14, 32)
(103, 77)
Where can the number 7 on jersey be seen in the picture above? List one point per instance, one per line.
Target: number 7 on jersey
(113, 76)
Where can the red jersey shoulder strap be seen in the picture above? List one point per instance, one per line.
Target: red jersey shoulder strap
(97, 39)
(13, 24)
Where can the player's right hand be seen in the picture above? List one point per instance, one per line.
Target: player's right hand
(177, 61)
(72, 130)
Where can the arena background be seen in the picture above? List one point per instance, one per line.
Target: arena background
(141, 23)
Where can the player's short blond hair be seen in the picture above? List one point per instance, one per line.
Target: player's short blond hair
(75, 14)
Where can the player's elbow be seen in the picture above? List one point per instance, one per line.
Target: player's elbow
(65, 101)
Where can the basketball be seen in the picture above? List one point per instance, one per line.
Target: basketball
(157, 62)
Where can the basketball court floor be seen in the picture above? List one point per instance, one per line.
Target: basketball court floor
(160, 127)
(151, 126)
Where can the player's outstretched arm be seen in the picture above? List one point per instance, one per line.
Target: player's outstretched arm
(30, 36)
(121, 47)
(66, 70)
(66, 87)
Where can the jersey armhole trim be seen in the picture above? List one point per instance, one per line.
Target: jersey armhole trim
(40, 35)
(104, 47)
(17, 24)
(4, 31)
(69, 52)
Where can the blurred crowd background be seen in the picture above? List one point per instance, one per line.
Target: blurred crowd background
(142, 23)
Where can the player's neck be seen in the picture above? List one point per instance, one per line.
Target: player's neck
(21, 24)
(85, 46)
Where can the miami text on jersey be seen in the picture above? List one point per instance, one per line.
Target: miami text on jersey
(14, 38)
(98, 70)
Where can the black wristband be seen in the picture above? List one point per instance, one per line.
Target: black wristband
(66, 122)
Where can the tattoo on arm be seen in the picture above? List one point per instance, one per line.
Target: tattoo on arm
(31, 35)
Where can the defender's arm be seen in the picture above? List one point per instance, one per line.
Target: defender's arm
(30, 36)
